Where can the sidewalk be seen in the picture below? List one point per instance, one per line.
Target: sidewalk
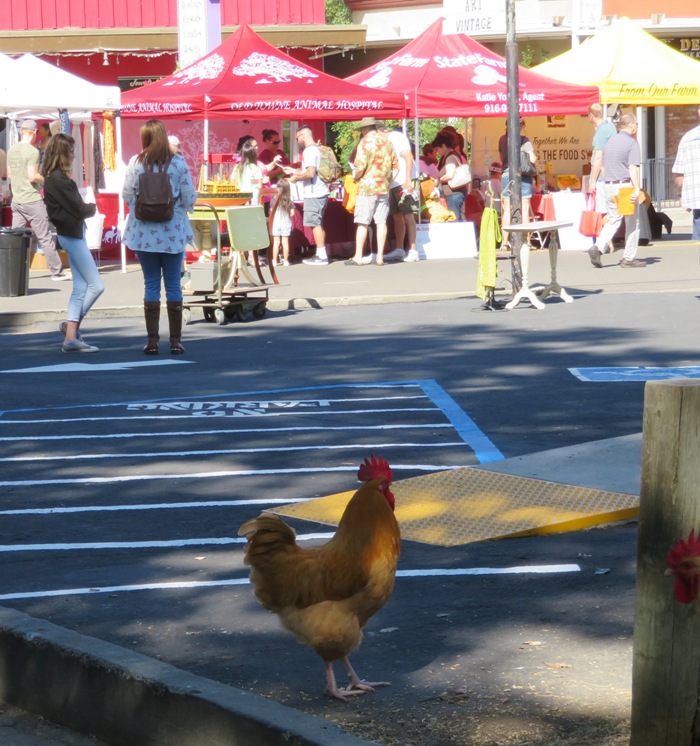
(112, 689)
(673, 265)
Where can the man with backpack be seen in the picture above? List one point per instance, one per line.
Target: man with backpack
(315, 192)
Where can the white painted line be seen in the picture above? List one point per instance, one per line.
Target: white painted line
(234, 415)
(155, 506)
(164, 544)
(526, 569)
(225, 451)
(190, 433)
(536, 569)
(94, 367)
(214, 475)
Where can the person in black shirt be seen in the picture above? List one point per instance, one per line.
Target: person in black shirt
(67, 211)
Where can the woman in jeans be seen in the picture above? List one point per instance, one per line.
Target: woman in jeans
(160, 247)
(67, 211)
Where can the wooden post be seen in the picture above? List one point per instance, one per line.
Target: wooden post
(666, 663)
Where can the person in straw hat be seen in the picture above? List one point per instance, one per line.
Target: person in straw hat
(376, 165)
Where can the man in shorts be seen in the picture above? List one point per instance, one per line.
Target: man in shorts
(376, 165)
(315, 192)
(403, 200)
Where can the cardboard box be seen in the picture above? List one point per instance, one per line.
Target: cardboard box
(203, 277)
(455, 240)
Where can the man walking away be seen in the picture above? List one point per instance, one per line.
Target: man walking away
(604, 130)
(621, 159)
(687, 170)
(27, 203)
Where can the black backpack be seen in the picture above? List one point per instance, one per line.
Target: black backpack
(155, 202)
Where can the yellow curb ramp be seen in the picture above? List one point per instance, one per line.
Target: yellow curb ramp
(466, 505)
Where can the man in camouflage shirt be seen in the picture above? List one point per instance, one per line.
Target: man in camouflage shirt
(375, 166)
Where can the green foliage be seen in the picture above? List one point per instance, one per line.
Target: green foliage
(346, 136)
(527, 56)
(337, 12)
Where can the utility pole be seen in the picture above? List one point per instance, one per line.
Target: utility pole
(513, 124)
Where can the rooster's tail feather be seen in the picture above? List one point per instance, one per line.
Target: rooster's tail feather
(266, 533)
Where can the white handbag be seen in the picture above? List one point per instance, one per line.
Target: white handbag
(461, 177)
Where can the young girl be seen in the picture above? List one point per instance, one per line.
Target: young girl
(247, 174)
(282, 222)
(67, 211)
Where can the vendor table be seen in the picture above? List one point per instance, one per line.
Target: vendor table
(526, 293)
(543, 204)
(339, 226)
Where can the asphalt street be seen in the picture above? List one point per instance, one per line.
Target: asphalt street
(124, 486)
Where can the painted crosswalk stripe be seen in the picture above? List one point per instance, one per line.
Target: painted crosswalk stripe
(212, 475)
(223, 431)
(155, 544)
(196, 584)
(225, 451)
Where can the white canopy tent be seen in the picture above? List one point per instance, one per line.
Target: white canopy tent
(36, 89)
(40, 88)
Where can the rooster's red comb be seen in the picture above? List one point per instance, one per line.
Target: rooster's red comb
(374, 467)
(683, 549)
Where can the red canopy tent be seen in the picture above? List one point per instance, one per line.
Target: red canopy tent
(453, 75)
(245, 77)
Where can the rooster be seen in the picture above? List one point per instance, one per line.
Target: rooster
(684, 563)
(326, 595)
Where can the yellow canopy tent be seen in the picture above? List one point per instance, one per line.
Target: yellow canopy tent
(630, 66)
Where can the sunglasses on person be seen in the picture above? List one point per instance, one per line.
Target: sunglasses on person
(276, 142)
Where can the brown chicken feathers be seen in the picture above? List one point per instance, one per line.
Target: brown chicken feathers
(326, 595)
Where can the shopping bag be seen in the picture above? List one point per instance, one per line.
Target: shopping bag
(461, 177)
(591, 220)
(426, 188)
(350, 193)
(625, 206)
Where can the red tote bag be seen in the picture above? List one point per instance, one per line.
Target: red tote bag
(591, 220)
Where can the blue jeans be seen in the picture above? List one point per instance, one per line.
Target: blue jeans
(696, 224)
(455, 202)
(87, 283)
(156, 265)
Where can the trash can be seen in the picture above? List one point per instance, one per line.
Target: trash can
(14, 261)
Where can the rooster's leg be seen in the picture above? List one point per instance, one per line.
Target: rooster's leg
(332, 687)
(355, 683)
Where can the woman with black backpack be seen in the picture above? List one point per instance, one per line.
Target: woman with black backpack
(158, 228)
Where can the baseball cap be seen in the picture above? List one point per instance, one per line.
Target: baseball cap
(174, 140)
(496, 167)
(28, 125)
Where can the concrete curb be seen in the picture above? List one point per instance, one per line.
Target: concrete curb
(27, 318)
(119, 696)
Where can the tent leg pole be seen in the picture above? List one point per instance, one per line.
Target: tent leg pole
(120, 211)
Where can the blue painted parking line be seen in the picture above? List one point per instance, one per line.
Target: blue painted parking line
(608, 375)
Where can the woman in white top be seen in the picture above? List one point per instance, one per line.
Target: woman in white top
(248, 174)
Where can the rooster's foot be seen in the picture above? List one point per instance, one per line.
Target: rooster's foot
(364, 686)
(343, 694)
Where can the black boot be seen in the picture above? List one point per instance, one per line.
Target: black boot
(151, 310)
(175, 322)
